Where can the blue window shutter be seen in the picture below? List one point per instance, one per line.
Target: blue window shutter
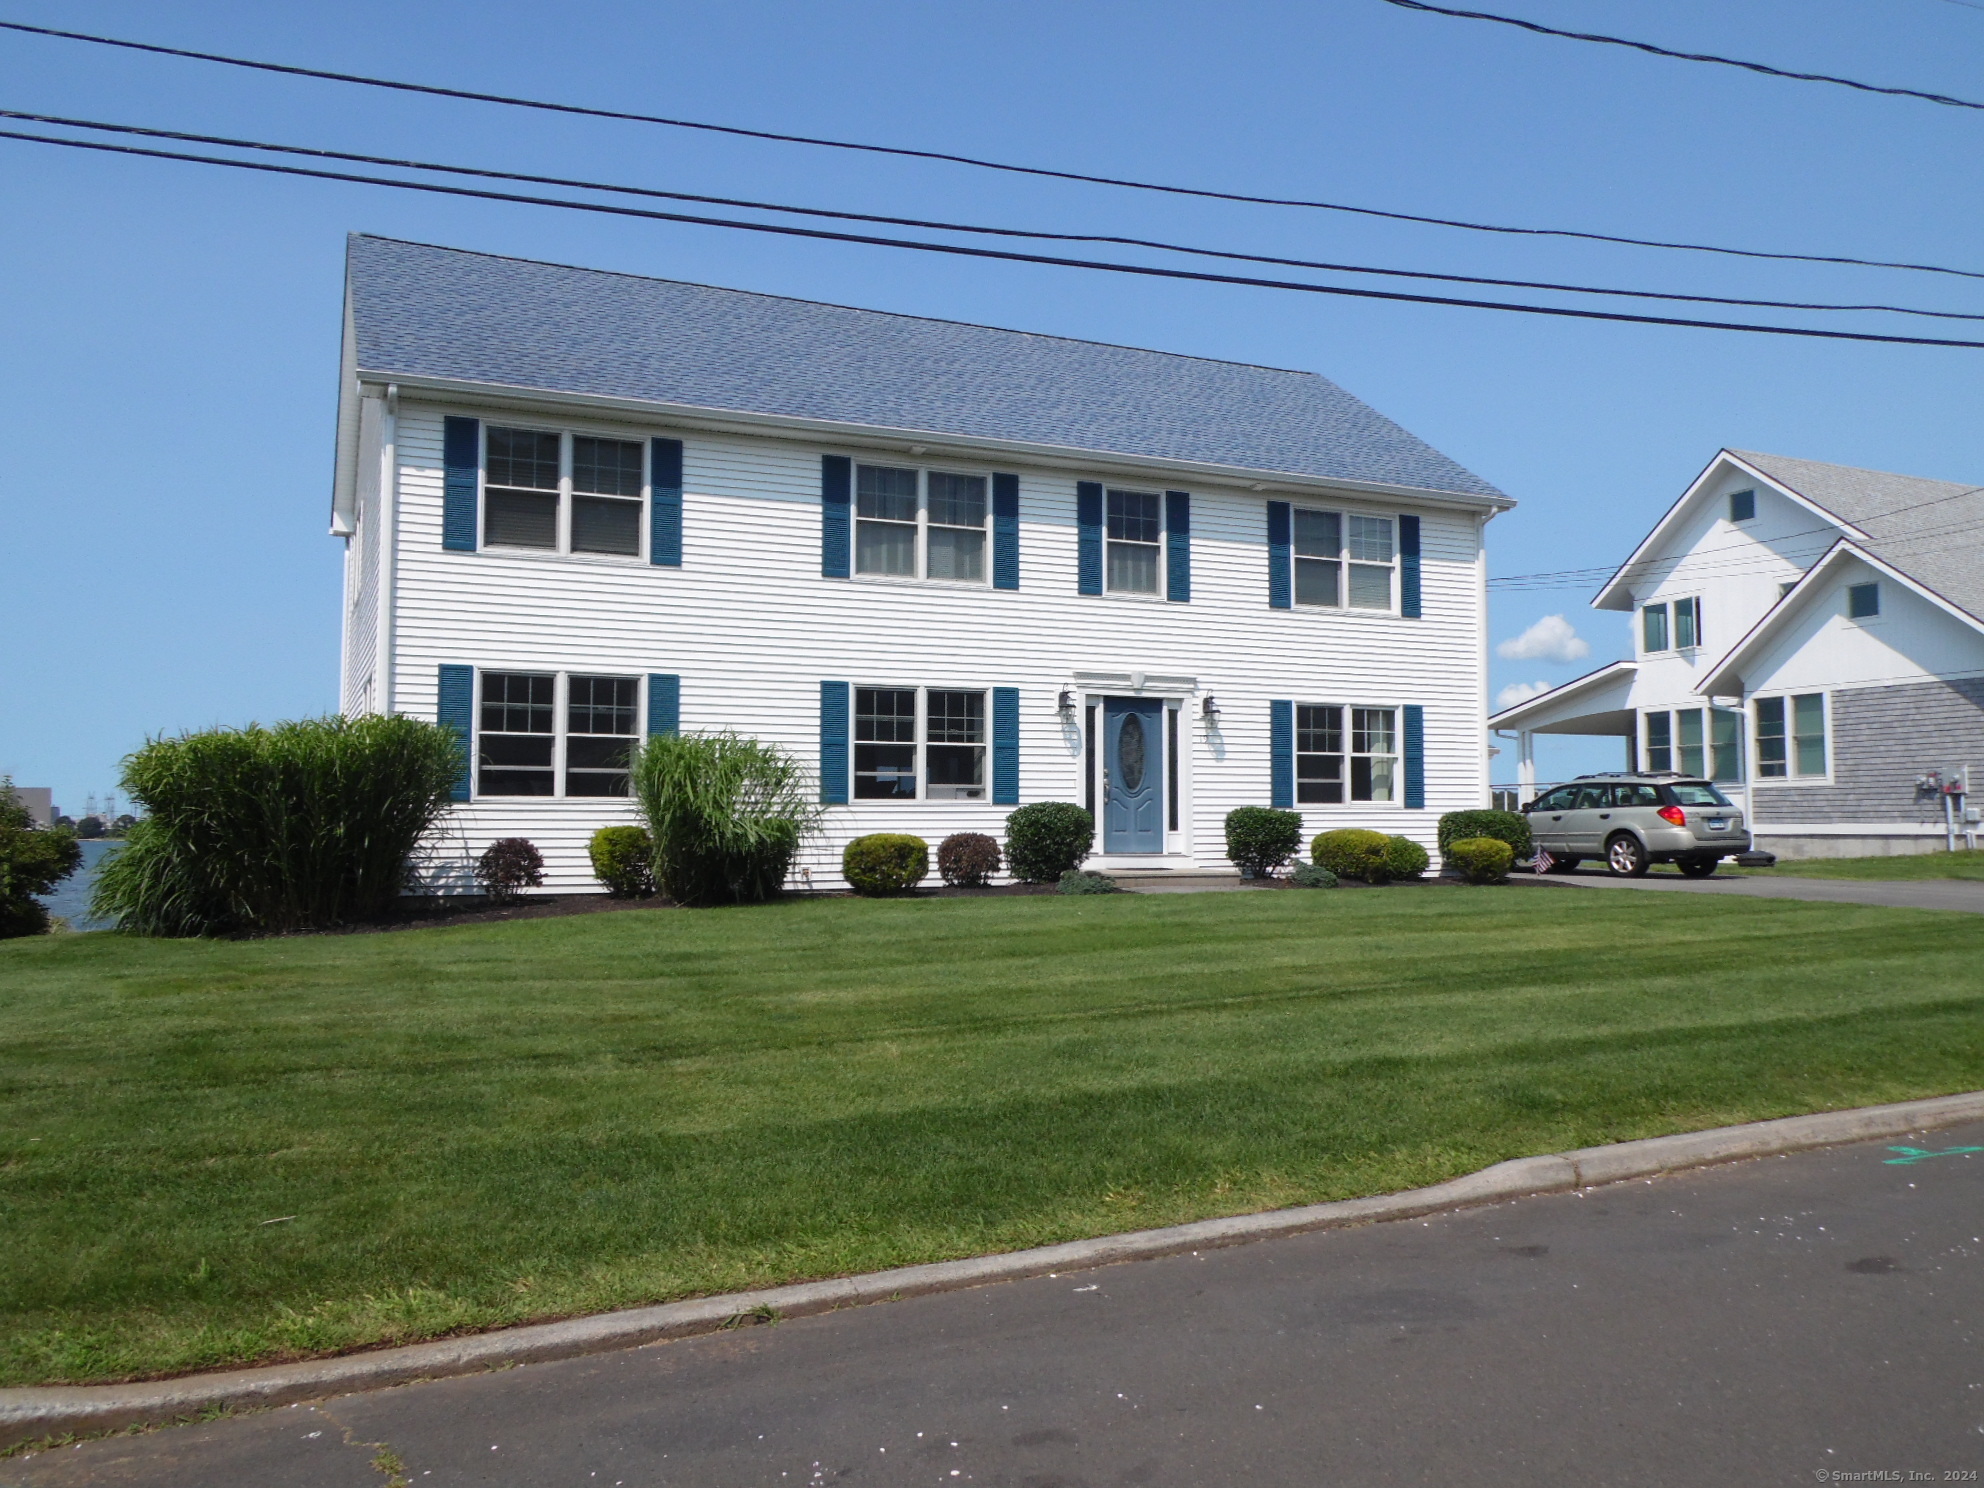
(1005, 746)
(461, 459)
(664, 703)
(455, 711)
(1281, 753)
(1408, 567)
(1005, 532)
(836, 522)
(665, 506)
(1415, 756)
(833, 743)
(1178, 545)
(1088, 518)
(1281, 573)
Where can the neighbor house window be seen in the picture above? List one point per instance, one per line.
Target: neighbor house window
(530, 477)
(1660, 741)
(913, 523)
(1653, 628)
(1791, 736)
(1689, 740)
(1687, 624)
(1324, 540)
(1324, 767)
(519, 745)
(1863, 601)
(1725, 744)
(912, 743)
(1134, 529)
(1693, 741)
(1742, 505)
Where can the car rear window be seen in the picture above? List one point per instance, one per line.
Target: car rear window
(1698, 793)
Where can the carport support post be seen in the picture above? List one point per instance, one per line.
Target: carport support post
(1526, 764)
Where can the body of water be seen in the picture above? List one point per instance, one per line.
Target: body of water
(71, 898)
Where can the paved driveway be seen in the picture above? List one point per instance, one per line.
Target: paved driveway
(1790, 1320)
(1946, 893)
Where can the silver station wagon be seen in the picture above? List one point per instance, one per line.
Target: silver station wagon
(1634, 820)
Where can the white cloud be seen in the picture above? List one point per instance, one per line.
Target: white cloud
(1519, 692)
(1553, 638)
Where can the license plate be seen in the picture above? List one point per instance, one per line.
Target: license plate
(1718, 824)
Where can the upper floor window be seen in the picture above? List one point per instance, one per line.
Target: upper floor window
(1136, 529)
(1863, 601)
(1742, 505)
(1653, 627)
(1343, 559)
(913, 523)
(521, 750)
(575, 493)
(1687, 631)
(1791, 736)
(903, 751)
(1324, 767)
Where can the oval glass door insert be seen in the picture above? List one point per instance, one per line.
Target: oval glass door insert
(1130, 752)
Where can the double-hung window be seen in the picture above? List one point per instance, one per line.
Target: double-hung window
(1343, 559)
(1660, 741)
(911, 523)
(1696, 741)
(1318, 558)
(1653, 627)
(1687, 624)
(1371, 554)
(572, 493)
(1791, 736)
(1135, 534)
(919, 743)
(521, 750)
(1323, 767)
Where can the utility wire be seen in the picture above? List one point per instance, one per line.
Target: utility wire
(1004, 232)
(961, 251)
(436, 91)
(1660, 51)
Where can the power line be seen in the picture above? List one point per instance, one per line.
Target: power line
(1660, 51)
(905, 152)
(1006, 255)
(1004, 232)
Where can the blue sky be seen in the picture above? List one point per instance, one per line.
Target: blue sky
(169, 368)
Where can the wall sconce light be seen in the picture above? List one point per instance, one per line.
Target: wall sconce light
(1065, 706)
(1209, 709)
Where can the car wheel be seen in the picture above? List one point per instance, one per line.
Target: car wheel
(1626, 856)
(1564, 865)
(1697, 867)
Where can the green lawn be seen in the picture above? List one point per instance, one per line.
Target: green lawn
(1959, 864)
(486, 1124)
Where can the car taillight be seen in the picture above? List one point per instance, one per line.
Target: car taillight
(1674, 814)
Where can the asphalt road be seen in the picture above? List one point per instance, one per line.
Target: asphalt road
(1798, 1319)
(1966, 895)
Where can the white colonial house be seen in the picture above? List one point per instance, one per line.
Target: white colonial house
(954, 569)
(1811, 637)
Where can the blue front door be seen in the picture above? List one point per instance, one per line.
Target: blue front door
(1133, 775)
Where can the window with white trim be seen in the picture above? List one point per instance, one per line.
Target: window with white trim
(527, 742)
(1653, 627)
(919, 743)
(1343, 559)
(1326, 772)
(562, 492)
(1791, 736)
(1705, 742)
(912, 523)
(1136, 534)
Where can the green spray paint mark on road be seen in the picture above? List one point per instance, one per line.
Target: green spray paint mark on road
(1916, 1154)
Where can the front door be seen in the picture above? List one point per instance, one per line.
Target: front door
(1132, 775)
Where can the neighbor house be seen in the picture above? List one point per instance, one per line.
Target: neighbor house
(952, 568)
(1811, 637)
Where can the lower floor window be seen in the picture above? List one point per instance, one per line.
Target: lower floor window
(1707, 742)
(1324, 767)
(1791, 736)
(912, 743)
(526, 741)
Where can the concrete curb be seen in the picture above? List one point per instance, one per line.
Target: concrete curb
(51, 1411)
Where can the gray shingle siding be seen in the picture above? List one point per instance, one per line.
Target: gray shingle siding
(1882, 739)
(423, 311)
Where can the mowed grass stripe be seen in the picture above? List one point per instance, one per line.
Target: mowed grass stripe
(496, 1123)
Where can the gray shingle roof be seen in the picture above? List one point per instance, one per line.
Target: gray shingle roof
(1931, 530)
(423, 311)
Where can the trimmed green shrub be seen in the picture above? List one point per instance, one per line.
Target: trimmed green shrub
(1404, 858)
(967, 860)
(885, 863)
(1352, 852)
(1259, 839)
(1481, 860)
(623, 860)
(508, 866)
(1511, 827)
(726, 814)
(1047, 839)
(33, 860)
(1311, 876)
(1074, 881)
(300, 826)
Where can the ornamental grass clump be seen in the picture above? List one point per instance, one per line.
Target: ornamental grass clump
(1259, 839)
(623, 860)
(967, 860)
(302, 826)
(726, 815)
(1047, 839)
(884, 863)
(1481, 860)
(1511, 827)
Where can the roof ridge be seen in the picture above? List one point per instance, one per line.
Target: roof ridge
(546, 263)
(1932, 480)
